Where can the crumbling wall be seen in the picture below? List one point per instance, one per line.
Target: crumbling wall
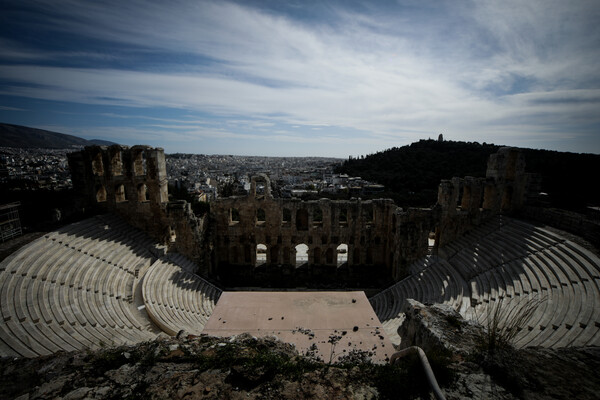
(467, 202)
(132, 182)
(410, 239)
(338, 234)
(258, 235)
(188, 234)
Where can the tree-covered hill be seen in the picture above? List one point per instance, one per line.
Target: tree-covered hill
(412, 173)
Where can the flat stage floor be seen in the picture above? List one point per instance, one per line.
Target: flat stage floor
(304, 319)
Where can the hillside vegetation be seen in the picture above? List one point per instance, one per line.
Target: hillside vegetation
(411, 174)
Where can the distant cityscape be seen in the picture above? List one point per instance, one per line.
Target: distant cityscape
(205, 177)
(23, 168)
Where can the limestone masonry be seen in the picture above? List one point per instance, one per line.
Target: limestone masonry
(373, 238)
(145, 266)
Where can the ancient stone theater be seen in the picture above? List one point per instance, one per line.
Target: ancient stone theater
(145, 266)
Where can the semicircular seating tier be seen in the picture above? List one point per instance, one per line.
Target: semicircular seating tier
(75, 288)
(514, 268)
(177, 299)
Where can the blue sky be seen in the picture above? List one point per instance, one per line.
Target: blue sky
(301, 78)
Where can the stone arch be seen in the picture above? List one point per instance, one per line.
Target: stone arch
(466, 197)
(458, 191)
(302, 220)
(139, 163)
(343, 217)
(143, 194)
(116, 162)
(120, 193)
(286, 217)
(261, 254)
(301, 254)
(431, 239)
(261, 217)
(234, 216)
(97, 164)
(317, 217)
(100, 194)
(342, 254)
(260, 186)
(368, 215)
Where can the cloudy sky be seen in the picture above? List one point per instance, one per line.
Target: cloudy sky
(297, 78)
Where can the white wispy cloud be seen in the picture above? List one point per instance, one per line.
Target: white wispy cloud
(473, 70)
(6, 108)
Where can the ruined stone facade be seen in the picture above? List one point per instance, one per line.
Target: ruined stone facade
(260, 231)
(119, 176)
(357, 241)
(132, 182)
(465, 202)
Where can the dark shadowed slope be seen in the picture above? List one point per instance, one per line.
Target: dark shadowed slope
(411, 174)
(25, 137)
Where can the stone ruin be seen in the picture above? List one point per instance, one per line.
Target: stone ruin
(146, 265)
(248, 240)
(132, 183)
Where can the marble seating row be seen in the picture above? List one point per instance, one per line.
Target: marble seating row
(514, 265)
(177, 299)
(73, 289)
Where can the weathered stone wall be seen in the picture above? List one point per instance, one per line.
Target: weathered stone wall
(336, 233)
(261, 236)
(120, 174)
(410, 237)
(467, 202)
(132, 182)
(188, 234)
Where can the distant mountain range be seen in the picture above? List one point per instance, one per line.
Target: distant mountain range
(25, 137)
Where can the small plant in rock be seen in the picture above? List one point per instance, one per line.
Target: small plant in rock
(503, 323)
(334, 340)
(312, 353)
(498, 356)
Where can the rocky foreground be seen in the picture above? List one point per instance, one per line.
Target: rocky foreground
(244, 367)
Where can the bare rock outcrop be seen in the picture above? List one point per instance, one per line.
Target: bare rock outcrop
(239, 367)
(506, 373)
(438, 328)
